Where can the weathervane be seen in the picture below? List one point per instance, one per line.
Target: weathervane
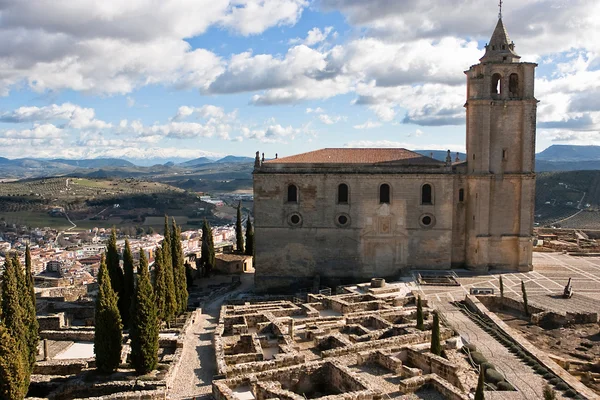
(500, 12)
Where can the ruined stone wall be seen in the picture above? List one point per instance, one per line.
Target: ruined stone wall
(378, 240)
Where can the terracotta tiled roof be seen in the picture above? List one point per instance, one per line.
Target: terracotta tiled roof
(356, 156)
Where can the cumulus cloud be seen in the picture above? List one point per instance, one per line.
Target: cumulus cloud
(314, 36)
(77, 117)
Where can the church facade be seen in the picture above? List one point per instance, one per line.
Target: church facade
(341, 215)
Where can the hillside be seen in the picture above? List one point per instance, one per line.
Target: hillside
(561, 152)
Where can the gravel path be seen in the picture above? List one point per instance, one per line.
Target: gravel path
(194, 377)
(519, 374)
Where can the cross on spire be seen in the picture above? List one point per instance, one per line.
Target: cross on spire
(500, 10)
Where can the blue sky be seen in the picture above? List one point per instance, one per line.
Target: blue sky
(150, 80)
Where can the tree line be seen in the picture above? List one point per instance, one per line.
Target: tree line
(18, 328)
(141, 304)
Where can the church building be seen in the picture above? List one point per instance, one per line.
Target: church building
(339, 215)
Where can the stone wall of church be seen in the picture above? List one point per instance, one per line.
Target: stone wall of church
(378, 240)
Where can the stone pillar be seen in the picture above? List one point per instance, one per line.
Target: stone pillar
(46, 354)
(291, 328)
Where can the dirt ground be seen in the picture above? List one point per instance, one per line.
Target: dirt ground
(578, 343)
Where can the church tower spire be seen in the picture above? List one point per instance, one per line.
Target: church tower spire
(501, 126)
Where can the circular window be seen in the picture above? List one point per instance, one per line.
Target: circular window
(427, 221)
(294, 219)
(342, 220)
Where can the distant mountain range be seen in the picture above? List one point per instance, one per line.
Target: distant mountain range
(554, 158)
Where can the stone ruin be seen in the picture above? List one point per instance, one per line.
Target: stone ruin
(361, 344)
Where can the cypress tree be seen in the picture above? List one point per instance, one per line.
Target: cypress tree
(144, 322)
(525, 304)
(208, 248)
(420, 324)
(501, 287)
(239, 235)
(13, 369)
(436, 345)
(30, 323)
(180, 277)
(160, 289)
(114, 269)
(128, 284)
(12, 311)
(249, 238)
(171, 305)
(33, 327)
(108, 336)
(479, 395)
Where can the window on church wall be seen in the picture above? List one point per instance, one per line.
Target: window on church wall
(426, 194)
(342, 194)
(513, 85)
(292, 194)
(461, 195)
(496, 84)
(384, 194)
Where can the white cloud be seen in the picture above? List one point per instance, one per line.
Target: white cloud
(130, 101)
(368, 125)
(331, 119)
(314, 36)
(317, 110)
(77, 117)
(275, 133)
(404, 145)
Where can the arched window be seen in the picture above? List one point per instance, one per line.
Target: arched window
(496, 84)
(384, 194)
(513, 85)
(426, 197)
(342, 193)
(461, 195)
(292, 194)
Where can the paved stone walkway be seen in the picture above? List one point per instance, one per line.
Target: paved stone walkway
(519, 374)
(194, 377)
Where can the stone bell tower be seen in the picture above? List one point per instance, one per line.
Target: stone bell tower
(501, 124)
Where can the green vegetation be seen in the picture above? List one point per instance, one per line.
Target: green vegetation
(207, 260)
(12, 312)
(108, 335)
(501, 287)
(549, 393)
(33, 325)
(249, 238)
(27, 304)
(160, 285)
(480, 386)
(239, 235)
(114, 270)
(128, 284)
(436, 345)
(13, 370)
(144, 322)
(420, 324)
(179, 269)
(171, 306)
(525, 304)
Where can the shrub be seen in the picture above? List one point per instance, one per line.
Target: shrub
(478, 358)
(470, 347)
(554, 381)
(570, 393)
(493, 376)
(505, 386)
(487, 365)
(562, 386)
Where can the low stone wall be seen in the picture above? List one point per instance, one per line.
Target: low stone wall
(52, 322)
(536, 353)
(411, 338)
(280, 362)
(60, 367)
(72, 334)
(447, 390)
(431, 363)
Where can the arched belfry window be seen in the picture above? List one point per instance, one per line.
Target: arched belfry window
(426, 194)
(342, 193)
(384, 194)
(292, 194)
(513, 85)
(496, 84)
